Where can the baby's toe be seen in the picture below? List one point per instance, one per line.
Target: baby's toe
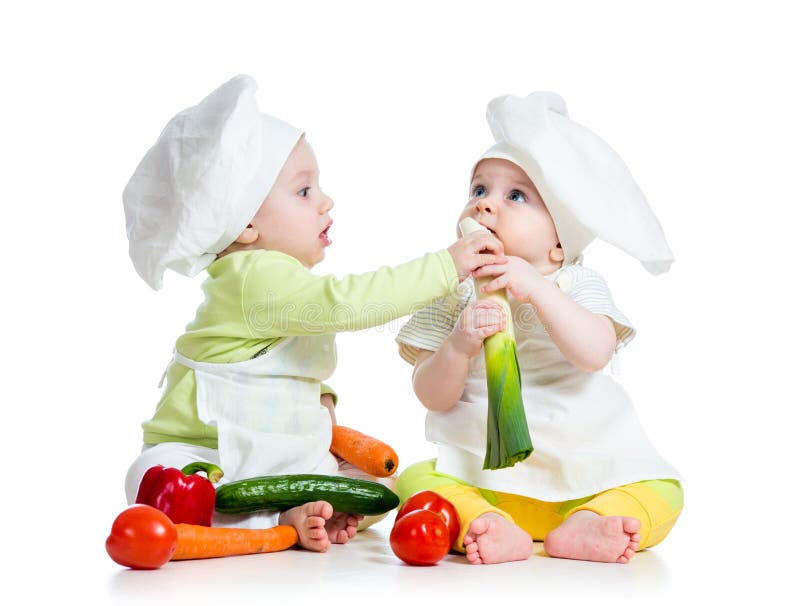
(319, 544)
(314, 522)
(478, 526)
(322, 546)
(340, 536)
(631, 525)
(474, 557)
(321, 509)
(629, 553)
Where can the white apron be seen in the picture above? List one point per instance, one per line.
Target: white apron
(585, 432)
(267, 410)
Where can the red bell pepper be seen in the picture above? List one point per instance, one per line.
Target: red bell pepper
(185, 497)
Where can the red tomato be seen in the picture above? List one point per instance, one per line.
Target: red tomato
(427, 499)
(142, 537)
(420, 538)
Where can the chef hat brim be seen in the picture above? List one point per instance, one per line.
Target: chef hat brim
(585, 185)
(203, 181)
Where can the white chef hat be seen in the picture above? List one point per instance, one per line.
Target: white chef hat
(585, 185)
(203, 181)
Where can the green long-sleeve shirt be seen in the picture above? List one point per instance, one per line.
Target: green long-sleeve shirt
(254, 298)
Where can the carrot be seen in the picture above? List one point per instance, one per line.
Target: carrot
(365, 452)
(197, 542)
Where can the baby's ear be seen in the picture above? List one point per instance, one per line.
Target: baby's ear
(557, 254)
(248, 235)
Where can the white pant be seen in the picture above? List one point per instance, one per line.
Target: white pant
(179, 454)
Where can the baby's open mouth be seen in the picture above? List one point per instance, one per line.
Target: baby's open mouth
(491, 231)
(324, 235)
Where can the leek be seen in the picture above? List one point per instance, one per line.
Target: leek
(508, 439)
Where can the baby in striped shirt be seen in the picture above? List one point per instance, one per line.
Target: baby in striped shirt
(594, 488)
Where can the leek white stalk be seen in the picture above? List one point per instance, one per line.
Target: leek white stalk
(508, 439)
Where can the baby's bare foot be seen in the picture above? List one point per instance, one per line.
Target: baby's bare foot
(310, 521)
(493, 539)
(342, 526)
(586, 535)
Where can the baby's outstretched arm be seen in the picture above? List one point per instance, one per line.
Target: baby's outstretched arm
(586, 339)
(439, 376)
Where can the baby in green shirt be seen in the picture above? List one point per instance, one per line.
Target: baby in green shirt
(236, 192)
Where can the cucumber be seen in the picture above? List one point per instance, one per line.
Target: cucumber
(280, 493)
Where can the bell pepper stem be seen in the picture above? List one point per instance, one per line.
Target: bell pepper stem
(213, 473)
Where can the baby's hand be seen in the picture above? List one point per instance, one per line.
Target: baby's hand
(479, 320)
(516, 274)
(474, 251)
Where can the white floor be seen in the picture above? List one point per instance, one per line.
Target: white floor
(684, 566)
(366, 568)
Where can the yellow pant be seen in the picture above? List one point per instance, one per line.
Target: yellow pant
(655, 503)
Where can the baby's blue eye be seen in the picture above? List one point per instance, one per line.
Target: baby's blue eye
(479, 191)
(517, 196)
(303, 193)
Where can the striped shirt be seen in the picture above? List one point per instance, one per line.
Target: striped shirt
(428, 328)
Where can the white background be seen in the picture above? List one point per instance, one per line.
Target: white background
(700, 99)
